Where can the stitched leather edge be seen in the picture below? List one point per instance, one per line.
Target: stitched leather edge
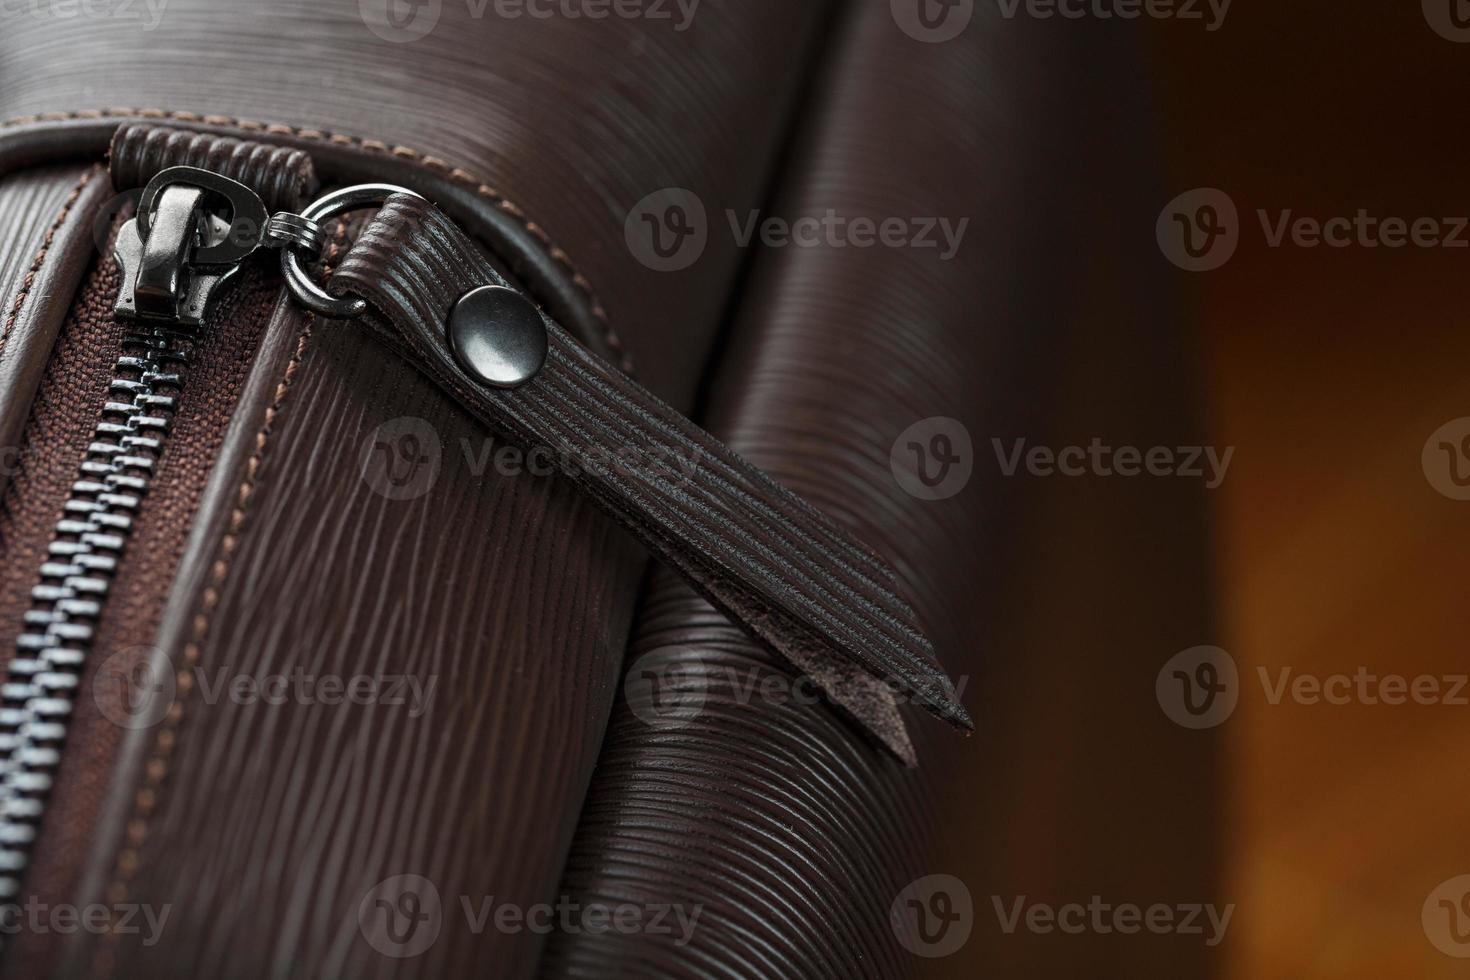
(155, 768)
(459, 175)
(35, 268)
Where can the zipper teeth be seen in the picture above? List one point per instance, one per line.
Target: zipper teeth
(43, 681)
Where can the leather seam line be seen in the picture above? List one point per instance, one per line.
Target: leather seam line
(40, 260)
(463, 176)
(156, 768)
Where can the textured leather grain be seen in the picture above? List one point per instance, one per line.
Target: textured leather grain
(779, 567)
(519, 124)
(71, 397)
(283, 177)
(793, 841)
(545, 269)
(45, 246)
(571, 120)
(266, 826)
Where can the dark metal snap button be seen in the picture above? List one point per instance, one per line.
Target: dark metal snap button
(498, 336)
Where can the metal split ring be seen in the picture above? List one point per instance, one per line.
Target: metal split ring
(306, 291)
(294, 232)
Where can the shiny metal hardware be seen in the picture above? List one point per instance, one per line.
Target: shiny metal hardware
(306, 291)
(195, 227)
(295, 231)
(498, 336)
(192, 231)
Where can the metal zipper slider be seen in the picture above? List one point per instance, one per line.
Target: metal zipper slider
(193, 230)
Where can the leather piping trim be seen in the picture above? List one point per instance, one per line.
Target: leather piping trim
(35, 267)
(524, 246)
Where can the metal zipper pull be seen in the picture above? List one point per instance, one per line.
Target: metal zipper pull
(193, 230)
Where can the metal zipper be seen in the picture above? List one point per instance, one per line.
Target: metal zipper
(193, 230)
(38, 697)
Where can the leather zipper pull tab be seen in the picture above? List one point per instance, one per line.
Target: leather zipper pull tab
(777, 566)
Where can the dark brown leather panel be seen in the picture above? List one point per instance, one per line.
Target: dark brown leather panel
(794, 839)
(776, 565)
(232, 849)
(773, 827)
(573, 119)
(283, 178)
(267, 825)
(514, 238)
(46, 243)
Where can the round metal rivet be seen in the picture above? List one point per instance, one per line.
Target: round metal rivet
(498, 336)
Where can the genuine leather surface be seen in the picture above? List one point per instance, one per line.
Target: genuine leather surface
(45, 245)
(573, 120)
(282, 177)
(776, 565)
(796, 845)
(502, 598)
(266, 827)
